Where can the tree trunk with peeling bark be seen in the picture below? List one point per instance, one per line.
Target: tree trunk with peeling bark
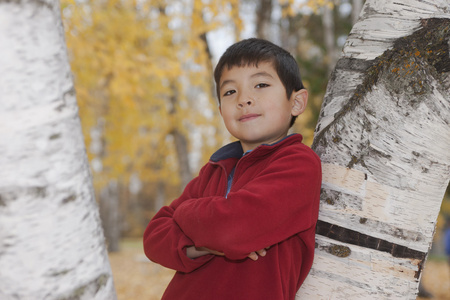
(384, 137)
(51, 241)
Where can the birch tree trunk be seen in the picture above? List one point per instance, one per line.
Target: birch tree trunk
(384, 137)
(51, 241)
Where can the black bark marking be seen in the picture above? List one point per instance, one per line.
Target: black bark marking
(353, 237)
(55, 136)
(337, 139)
(39, 192)
(68, 199)
(332, 197)
(354, 64)
(90, 288)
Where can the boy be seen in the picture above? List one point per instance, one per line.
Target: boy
(244, 228)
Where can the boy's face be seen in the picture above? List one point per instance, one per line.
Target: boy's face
(254, 105)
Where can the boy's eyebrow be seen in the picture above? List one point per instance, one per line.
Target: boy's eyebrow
(226, 82)
(262, 74)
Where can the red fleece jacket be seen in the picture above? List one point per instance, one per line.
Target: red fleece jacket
(273, 201)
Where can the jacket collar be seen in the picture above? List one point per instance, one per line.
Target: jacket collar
(234, 149)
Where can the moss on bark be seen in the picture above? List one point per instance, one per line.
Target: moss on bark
(405, 68)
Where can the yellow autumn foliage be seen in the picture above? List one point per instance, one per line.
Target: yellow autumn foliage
(142, 71)
(134, 63)
(292, 8)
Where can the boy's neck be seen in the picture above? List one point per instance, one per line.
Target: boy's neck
(249, 147)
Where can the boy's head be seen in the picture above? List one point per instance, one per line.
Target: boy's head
(251, 52)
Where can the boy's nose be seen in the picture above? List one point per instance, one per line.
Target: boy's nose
(243, 103)
(245, 100)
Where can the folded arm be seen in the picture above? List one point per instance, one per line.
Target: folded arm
(166, 244)
(194, 252)
(278, 203)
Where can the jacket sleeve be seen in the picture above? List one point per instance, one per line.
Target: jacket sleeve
(165, 243)
(281, 201)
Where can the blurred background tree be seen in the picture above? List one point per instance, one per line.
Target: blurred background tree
(143, 76)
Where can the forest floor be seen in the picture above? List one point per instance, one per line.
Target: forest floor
(436, 278)
(135, 277)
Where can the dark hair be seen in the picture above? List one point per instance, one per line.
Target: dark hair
(253, 51)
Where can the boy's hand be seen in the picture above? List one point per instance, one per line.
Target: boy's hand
(211, 251)
(194, 252)
(254, 255)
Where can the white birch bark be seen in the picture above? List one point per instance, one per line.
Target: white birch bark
(51, 242)
(384, 138)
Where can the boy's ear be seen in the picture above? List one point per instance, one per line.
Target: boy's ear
(299, 101)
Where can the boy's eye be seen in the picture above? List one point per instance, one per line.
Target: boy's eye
(230, 92)
(261, 85)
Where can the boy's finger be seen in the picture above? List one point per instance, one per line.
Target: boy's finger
(253, 256)
(262, 252)
(217, 253)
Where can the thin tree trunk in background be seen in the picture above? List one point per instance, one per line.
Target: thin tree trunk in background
(181, 147)
(110, 215)
(181, 144)
(51, 241)
(160, 195)
(210, 67)
(329, 39)
(384, 138)
(263, 19)
(180, 140)
(109, 200)
(292, 31)
(356, 10)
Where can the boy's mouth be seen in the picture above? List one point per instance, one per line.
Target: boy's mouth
(248, 117)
